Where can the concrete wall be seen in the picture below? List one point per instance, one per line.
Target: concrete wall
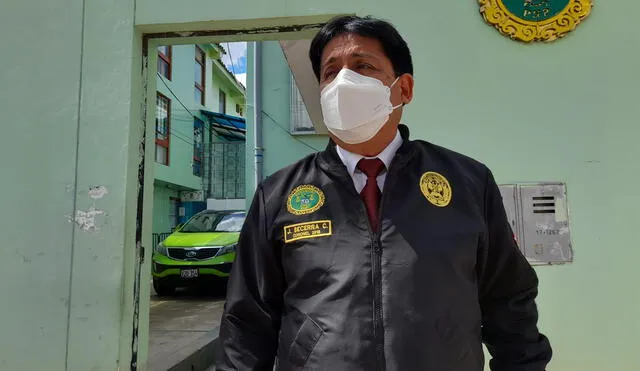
(565, 111)
(69, 189)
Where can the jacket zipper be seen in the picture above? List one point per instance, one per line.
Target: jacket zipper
(378, 320)
(376, 253)
(376, 263)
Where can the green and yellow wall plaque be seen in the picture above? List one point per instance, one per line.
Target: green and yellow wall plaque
(535, 20)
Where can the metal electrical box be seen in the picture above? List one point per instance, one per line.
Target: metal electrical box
(509, 197)
(539, 217)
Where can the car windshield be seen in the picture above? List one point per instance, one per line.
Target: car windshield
(214, 222)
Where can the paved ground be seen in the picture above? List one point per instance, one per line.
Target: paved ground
(181, 326)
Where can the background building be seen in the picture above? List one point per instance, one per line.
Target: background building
(200, 130)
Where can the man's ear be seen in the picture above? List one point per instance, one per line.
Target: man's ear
(406, 88)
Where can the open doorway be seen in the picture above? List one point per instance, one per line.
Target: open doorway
(203, 159)
(199, 163)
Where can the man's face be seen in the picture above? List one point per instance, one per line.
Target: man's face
(366, 57)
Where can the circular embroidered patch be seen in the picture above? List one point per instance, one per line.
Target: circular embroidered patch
(436, 188)
(305, 199)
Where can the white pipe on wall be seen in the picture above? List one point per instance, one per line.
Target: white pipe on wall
(257, 112)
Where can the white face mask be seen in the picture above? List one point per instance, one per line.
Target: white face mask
(356, 107)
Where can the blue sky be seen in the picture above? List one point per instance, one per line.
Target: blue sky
(236, 59)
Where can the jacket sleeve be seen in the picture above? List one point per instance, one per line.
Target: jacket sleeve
(508, 289)
(251, 319)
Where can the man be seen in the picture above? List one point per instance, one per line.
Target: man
(380, 253)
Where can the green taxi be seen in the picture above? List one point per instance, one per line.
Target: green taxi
(198, 252)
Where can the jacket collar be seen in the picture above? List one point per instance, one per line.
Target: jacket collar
(351, 160)
(330, 161)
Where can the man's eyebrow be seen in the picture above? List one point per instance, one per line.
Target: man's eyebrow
(330, 60)
(364, 55)
(354, 55)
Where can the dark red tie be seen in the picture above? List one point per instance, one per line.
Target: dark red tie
(371, 193)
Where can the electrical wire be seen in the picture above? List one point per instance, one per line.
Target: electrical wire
(288, 132)
(186, 136)
(233, 68)
(275, 122)
(174, 132)
(183, 106)
(174, 94)
(269, 116)
(177, 137)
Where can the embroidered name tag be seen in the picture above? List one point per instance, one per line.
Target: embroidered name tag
(302, 231)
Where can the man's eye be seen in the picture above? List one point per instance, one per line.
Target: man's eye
(366, 66)
(329, 74)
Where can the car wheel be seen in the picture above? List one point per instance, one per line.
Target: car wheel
(162, 289)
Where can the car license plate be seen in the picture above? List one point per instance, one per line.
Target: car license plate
(189, 273)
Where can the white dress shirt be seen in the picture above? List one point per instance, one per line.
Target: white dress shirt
(350, 160)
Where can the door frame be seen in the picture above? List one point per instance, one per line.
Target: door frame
(150, 37)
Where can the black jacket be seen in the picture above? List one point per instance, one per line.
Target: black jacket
(318, 290)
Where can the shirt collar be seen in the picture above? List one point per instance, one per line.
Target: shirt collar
(350, 160)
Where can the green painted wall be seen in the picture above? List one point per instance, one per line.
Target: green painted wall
(280, 148)
(565, 111)
(162, 195)
(69, 185)
(29, 261)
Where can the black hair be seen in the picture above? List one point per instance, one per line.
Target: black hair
(393, 45)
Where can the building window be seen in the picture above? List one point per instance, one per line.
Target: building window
(200, 75)
(222, 102)
(239, 110)
(164, 61)
(198, 146)
(163, 129)
(300, 121)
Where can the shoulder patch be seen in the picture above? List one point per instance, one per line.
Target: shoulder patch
(305, 199)
(436, 188)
